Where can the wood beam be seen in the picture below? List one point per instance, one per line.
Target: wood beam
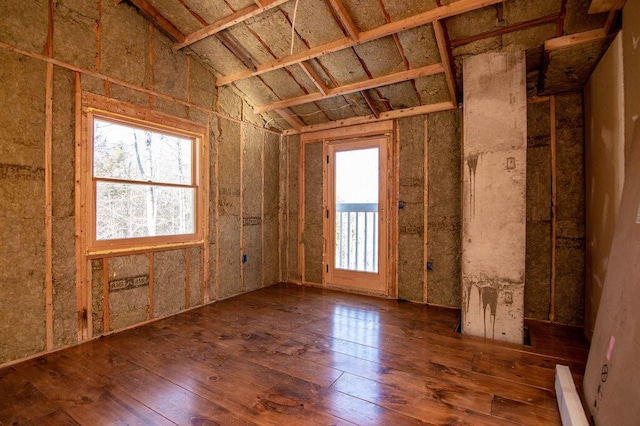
(370, 103)
(406, 112)
(229, 21)
(574, 39)
(354, 87)
(507, 29)
(599, 6)
(345, 18)
(291, 119)
(456, 8)
(237, 49)
(314, 77)
(446, 60)
(152, 14)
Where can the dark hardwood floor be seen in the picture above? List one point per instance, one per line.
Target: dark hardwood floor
(296, 355)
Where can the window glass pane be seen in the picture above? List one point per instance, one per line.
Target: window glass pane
(134, 210)
(130, 153)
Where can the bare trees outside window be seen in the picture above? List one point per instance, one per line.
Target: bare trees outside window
(145, 181)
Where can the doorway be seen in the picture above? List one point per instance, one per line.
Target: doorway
(356, 238)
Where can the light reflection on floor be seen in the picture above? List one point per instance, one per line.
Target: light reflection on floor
(356, 340)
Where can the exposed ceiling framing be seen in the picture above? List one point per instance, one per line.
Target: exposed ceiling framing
(325, 63)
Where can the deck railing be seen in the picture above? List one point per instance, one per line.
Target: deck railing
(357, 236)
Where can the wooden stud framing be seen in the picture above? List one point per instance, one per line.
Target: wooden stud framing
(224, 23)
(301, 185)
(327, 193)
(187, 270)
(441, 12)
(105, 296)
(48, 218)
(79, 208)
(242, 131)
(108, 80)
(575, 39)
(152, 40)
(395, 224)
(216, 212)
(205, 183)
(354, 87)
(151, 279)
(425, 280)
(554, 207)
(96, 60)
(262, 149)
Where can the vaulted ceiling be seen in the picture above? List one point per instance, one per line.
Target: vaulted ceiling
(310, 64)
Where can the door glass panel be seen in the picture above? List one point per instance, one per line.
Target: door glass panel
(356, 207)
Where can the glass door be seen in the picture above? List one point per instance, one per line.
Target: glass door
(356, 214)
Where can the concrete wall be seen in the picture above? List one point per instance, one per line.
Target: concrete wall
(116, 53)
(604, 105)
(494, 196)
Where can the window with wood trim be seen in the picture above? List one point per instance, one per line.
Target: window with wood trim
(144, 183)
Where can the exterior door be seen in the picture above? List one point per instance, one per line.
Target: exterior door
(356, 238)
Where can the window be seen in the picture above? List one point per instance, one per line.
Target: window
(145, 184)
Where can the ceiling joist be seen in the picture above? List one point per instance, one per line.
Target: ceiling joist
(229, 21)
(440, 12)
(599, 6)
(354, 87)
(390, 115)
(575, 39)
(291, 119)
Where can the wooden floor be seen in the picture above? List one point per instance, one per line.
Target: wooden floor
(289, 355)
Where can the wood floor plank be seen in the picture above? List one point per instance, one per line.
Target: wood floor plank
(20, 400)
(423, 405)
(288, 354)
(85, 399)
(57, 418)
(525, 414)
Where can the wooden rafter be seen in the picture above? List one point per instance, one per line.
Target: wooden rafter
(314, 77)
(354, 87)
(151, 13)
(367, 98)
(229, 21)
(291, 119)
(507, 29)
(237, 49)
(390, 115)
(599, 6)
(575, 39)
(441, 40)
(345, 18)
(456, 8)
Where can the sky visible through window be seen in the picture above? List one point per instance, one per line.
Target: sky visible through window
(357, 176)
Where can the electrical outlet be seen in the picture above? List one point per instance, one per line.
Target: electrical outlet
(508, 297)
